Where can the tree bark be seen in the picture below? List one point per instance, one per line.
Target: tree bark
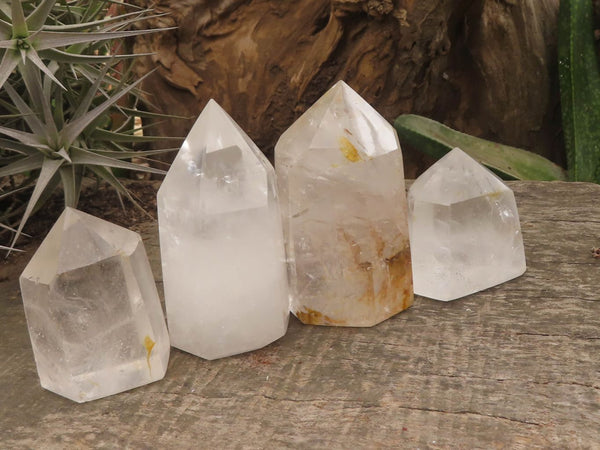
(485, 67)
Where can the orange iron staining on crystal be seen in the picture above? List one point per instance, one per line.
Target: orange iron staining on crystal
(346, 224)
(312, 317)
(149, 344)
(349, 150)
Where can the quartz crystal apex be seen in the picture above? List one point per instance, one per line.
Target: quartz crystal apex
(93, 311)
(341, 184)
(464, 229)
(223, 255)
(455, 178)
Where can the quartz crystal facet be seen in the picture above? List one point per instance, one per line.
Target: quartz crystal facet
(341, 183)
(221, 239)
(465, 234)
(93, 311)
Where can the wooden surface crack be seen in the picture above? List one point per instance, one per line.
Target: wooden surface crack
(473, 413)
(549, 335)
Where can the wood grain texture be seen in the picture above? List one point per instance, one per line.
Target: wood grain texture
(484, 67)
(515, 366)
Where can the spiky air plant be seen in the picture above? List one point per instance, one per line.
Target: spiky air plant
(60, 90)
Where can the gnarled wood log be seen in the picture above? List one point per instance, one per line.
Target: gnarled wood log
(485, 67)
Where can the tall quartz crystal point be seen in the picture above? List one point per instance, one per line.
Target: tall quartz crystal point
(465, 234)
(221, 239)
(341, 183)
(93, 311)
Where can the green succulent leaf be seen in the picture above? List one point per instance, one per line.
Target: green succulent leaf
(9, 62)
(5, 29)
(91, 73)
(26, 138)
(8, 194)
(37, 19)
(52, 39)
(436, 139)
(88, 98)
(71, 182)
(47, 172)
(34, 58)
(76, 127)
(27, 164)
(19, 25)
(73, 58)
(80, 156)
(64, 155)
(151, 115)
(10, 145)
(87, 25)
(9, 44)
(106, 174)
(124, 154)
(10, 116)
(129, 137)
(69, 107)
(41, 102)
(9, 249)
(5, 12)
(27, 113)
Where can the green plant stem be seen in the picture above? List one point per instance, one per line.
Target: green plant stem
(579, 77)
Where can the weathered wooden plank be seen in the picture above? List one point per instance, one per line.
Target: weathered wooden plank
(558, 200)
(514, 366)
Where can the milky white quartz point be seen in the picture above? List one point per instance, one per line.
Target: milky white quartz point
(465, 234)
(221, 240)
(93, 312)
(341, 184)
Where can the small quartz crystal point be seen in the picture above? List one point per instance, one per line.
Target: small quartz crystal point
(223, 254)
(94, 316)
(465, 234)
(341, 184)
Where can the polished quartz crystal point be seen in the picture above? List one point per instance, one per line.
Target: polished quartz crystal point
(221, 240)
(465, 234)
(93, 311)
(341, 184)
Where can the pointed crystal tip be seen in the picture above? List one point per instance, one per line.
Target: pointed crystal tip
(340, 120)
(87, 239)
(212, 104)
(454, 178)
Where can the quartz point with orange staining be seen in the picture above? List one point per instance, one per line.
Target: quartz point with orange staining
(341, 185)
(223, 254)
(464, 229)
(93, 312)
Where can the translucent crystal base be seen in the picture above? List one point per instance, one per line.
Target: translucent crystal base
(93, 312)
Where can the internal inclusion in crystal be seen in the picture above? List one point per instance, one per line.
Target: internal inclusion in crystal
(464, 229)
(341, 184)
(93, 311)
(221, 241)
